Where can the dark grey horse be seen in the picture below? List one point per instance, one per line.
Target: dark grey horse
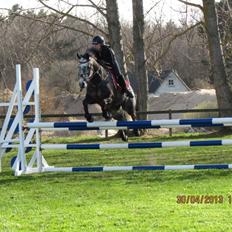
(103, 90)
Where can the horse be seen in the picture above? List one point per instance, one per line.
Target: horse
(102, 89)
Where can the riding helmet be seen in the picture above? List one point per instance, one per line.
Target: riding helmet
(98, 40)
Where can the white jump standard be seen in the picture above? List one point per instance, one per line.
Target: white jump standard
(37, 163)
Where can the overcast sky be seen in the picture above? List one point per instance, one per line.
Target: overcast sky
(169, 8)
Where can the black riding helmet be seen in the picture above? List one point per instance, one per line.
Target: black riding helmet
(98, 40)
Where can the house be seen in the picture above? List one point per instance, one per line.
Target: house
(167, 82)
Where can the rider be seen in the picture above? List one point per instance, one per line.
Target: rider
(106, 57)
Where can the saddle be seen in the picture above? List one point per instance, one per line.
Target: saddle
(115, 83)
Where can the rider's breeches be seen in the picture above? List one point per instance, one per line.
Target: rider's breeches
(117, 73)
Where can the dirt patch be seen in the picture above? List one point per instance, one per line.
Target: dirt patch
(179, 101)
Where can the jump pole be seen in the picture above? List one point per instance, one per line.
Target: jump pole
(152, 124)
(21, 150)
(37, 119)
(138, 168)
(195, 143)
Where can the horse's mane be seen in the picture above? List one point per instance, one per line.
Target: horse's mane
(90, 56)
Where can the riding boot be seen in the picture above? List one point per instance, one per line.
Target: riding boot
(129, 93)
(125, 89)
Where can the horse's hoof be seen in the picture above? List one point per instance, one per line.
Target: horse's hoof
(107, 115)
(124, 136)
(137, 132)
(89, 118)
(108, 118)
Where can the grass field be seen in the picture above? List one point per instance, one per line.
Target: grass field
(120, 201)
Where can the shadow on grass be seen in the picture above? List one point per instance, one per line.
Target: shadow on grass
(79, 140)
(140, 177)
(145, 138)
(7, 177)
(192, 136)
(127, 178)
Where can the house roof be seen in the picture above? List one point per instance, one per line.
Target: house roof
(156, 81)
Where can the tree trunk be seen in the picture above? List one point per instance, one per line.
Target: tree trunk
(115, 33)
(223, 92)
(139, 56)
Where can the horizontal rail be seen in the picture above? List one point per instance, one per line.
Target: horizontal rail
(6, 104)
(95, 146)
(204, 122)
(196, 143)
(137, 168)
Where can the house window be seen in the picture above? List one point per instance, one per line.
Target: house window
(170, 83)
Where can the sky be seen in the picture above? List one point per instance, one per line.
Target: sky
(169, 8)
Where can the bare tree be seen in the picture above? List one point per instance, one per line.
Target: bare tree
(217, 62)
(115, 33)
(139, 55)
(223, 92)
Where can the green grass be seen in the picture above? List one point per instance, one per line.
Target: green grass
(119, 201)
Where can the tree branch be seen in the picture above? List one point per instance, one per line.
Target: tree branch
(97, 8)
(83, 5)
(151, 8)
(55, 24)
(191, 4)
(72, 16)
(174, 37)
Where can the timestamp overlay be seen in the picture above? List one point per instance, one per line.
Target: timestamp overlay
(204, 199)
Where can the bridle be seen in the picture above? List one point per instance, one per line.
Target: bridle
(87, 63)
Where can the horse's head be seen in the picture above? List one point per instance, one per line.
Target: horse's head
(84, 70)
(88, 67)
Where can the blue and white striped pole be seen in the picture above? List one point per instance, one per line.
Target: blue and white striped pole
(137, 168)
(169, 123)
(197, 143)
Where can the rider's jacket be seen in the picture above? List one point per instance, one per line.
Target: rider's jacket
(106, 58)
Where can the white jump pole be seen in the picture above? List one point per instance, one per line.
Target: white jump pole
(37, 119)
(21, 151)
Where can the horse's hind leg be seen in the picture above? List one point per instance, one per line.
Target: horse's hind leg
(137, 132)
(122, 133)
(129, 105)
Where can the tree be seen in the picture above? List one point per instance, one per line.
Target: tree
(219, 75)
(108, 12)
(217, 62)
(115, 33)
(139, 56)
(224, 9)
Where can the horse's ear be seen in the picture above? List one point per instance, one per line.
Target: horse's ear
(78, 56)
(86, 56)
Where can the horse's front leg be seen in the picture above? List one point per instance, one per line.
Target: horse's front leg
(88, 116)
